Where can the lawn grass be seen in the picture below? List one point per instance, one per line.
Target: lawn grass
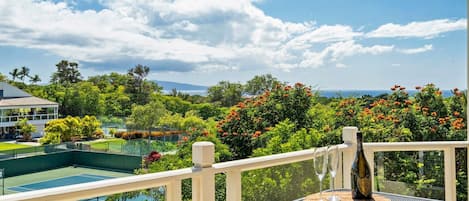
(138, 146)
(11, 146)
(113, 145)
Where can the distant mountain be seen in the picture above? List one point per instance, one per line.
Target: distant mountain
(168, 86)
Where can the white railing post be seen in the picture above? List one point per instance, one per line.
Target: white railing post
(233, 186)
(338, 181)
(349, 136)
(203, 185)
(173, 191)
(450, 173)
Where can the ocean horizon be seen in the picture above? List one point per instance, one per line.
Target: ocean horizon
(334, 93)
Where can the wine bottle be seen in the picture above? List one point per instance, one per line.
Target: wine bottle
(360, 174)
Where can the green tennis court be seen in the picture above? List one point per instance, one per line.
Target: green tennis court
(57, 177)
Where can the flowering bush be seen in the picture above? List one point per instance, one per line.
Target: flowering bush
(252, 117)
(152, 157)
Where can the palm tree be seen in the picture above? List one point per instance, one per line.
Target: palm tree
(24, 72)
(35, 79)
(139, 73)
(14, 74)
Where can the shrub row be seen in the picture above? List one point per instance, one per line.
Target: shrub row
(144, 134)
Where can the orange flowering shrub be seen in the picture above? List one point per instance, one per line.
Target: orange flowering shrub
(249, 119)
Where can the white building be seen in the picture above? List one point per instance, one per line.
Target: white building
(16, 104)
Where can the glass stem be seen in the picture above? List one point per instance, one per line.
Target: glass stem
(320, 189)
(333, 187)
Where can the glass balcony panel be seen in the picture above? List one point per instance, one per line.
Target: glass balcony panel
(419, 174)
(152, 194)
(285, 182)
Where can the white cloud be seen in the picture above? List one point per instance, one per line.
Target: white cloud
(337, 51)
(425, 48)
(324, 34)
(340, 65)
(425, 29)
(181, 35)
(396, 65)
(350, 48)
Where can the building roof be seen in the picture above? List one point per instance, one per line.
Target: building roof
(10, 91)
(25, 101)
(14, 97)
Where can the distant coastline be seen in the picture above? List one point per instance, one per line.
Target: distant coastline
(359, 93)
(326, 93)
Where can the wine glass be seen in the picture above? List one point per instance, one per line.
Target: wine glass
(333, 165)
(320, 166)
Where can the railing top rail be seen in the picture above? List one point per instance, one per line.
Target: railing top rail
(97, 188)
(415, 146)
(268, 161)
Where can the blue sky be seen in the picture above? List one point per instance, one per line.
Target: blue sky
(328, 44)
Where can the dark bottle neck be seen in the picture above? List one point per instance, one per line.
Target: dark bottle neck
(359, 142)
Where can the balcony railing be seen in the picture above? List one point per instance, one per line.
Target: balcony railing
(203, 172)
(33, 117)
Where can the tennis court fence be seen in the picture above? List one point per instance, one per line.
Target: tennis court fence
(136, 147)
(35, 150)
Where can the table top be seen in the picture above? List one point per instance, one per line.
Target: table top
(377, 196)
(343, 195)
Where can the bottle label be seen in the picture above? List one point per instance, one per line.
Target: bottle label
(364, 186)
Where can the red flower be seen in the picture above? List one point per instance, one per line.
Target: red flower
(418, 87)
(298, 84)
(152, 157)
(205, 133)
(257, 134)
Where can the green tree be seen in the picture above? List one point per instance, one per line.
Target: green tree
(138, 87)
(146, 116)
(67, 73)
(3, 78)
(225, 93)
(117, 102)
(89, 125)
(26, 129)
(260, 83)
(61, 130)
(90, 98)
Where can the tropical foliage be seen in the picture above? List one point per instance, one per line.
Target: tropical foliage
(71, 128)
(26, 129)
